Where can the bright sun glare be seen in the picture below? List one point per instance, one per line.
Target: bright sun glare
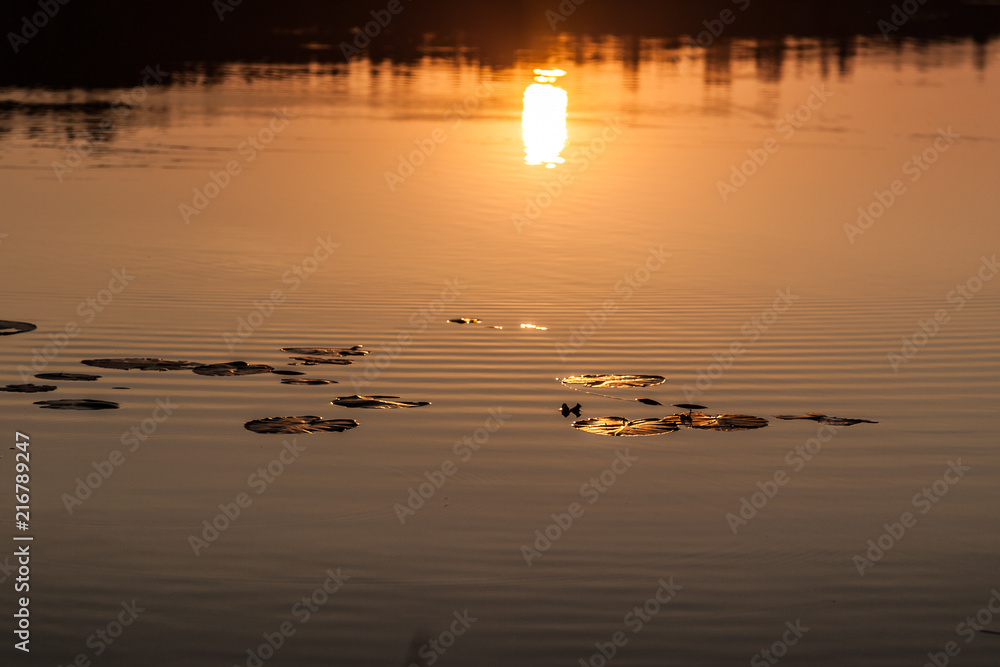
(544, 119)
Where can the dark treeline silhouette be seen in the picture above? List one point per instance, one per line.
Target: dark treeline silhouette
(95, 43)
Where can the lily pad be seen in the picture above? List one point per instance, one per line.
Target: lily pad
(9, 327)
(313, 361)
(376, 402)
(77, 404)
(830, 421)
(703, 422)
(307, 381)
(29, 388)
(72, 377)
(233, 368)
(619, 426)
(614, 381)
(295, 425)
(465, 320)
(142, 364)
(354, 351)
(727, 422)
(287, 373)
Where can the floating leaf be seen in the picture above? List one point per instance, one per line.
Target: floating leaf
(648, 401)
(614, 381)
(567, 411)
(619, 426)
(689, 406)
(727, 422)
(287, 373)
(295, 425)
(77, 404)
(465, 320)
(73, 377)
(233, 368)
(533, 326)
(307, 381)
(312, 361)
(142, 364)
(354, 351)
(697, 420)
(29, 388)
(376, 402)
(9, 328)
(830, 421)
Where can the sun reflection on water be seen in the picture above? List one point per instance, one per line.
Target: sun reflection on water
(544, 119)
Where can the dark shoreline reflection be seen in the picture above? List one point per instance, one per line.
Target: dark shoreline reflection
(106, 44)
(96, 115)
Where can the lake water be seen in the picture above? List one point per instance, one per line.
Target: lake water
(673, 211)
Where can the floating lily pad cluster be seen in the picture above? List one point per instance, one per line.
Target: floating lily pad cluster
(312, 424)
(309, 356)
(624, 427)
(306, 355)
(620, 426)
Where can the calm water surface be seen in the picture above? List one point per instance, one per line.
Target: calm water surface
(628, 158)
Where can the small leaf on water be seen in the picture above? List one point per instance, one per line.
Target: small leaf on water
(9, 327)
(689, 406)
(77, 404)
(307, 381)
(29, 388)
(465, 320)
(71, 377)
(829, 421)
(648, 401)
